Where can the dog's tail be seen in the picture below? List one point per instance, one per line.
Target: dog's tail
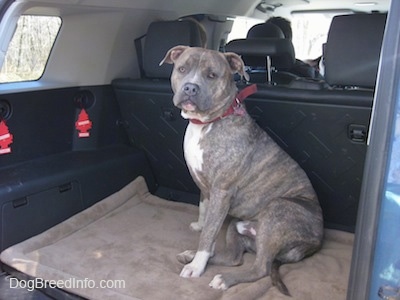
(276, 278)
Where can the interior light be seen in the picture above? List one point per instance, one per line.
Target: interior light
(365, 3)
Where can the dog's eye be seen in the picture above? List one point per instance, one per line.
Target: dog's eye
(182, 69)
(212, 75)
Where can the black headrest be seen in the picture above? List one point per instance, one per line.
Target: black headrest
(353, 48)
(265, 30)
(162, 36)
(255, 50)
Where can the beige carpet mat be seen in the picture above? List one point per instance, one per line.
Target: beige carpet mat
(132, 237)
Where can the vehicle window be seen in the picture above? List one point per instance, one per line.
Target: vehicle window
(29, 49)
(386, 273)
(240, 27)
(310, 31)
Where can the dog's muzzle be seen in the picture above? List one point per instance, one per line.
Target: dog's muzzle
(191, 89)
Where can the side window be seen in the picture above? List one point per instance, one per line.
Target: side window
(29, 49)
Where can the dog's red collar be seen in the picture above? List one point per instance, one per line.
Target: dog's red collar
(235, 107)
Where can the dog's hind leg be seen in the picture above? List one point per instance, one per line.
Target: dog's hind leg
(235, 246)
(258, 271)
(262, 267)
(279, 239)
(267, 246)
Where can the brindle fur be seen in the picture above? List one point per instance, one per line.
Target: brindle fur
(245, 174)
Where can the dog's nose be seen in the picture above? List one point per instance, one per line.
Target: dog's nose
(191, 89)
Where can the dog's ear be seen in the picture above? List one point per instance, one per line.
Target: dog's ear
(237, 64)
(173, 54)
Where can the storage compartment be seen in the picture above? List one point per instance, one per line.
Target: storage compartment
(38, 194)
(28, 216)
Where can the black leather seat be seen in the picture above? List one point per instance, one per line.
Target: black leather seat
(265, 30)
(256, 51)
(352, 50)
(163, 35)
(269, 30)
(153, 123)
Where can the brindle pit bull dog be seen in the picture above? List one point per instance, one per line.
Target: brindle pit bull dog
(242, 172)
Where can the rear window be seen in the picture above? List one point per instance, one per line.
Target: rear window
(240, 27)
(310, 31)
(29, 49)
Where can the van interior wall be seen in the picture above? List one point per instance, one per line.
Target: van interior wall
(50, 173)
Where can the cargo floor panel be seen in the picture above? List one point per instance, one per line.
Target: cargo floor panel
(132, 237)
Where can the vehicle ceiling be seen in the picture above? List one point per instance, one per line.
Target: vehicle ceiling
(249, 8)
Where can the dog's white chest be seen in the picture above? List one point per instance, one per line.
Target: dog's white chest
(191, 146)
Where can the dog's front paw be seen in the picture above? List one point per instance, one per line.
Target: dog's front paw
(218, 283)
(196, 226)
(186, 256)
(191, 270)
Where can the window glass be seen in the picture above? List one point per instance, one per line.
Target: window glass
(29, 49)
(386, 272)
(241, 26)
(310, 32)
